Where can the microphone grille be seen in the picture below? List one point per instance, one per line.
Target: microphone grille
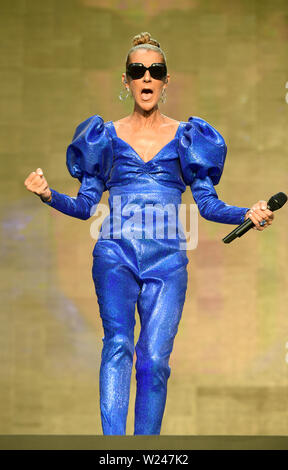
(277, 201)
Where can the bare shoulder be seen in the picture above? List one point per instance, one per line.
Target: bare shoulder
(171, 121)
(170, 125)
(121, 123)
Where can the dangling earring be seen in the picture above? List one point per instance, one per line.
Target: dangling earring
(163, 96)
(123, 97)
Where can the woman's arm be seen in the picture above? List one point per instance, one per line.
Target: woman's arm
(211, 207)
(82, 206)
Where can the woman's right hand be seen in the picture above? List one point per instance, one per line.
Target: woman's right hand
(37, 184)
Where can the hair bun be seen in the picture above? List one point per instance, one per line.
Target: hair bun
(144, 38)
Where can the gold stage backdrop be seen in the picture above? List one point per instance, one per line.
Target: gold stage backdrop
(61, 62)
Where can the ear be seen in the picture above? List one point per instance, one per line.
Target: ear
(124, 79)
(166, 81)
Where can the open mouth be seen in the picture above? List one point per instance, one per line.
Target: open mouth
(146, 93)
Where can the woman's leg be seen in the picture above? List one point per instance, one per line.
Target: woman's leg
(117, 291)
(160, 306)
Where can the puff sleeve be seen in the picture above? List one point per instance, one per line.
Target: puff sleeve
(202, 152)
(88, 158)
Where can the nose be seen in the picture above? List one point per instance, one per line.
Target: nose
(147, 76)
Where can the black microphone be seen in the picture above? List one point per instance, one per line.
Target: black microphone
(275, 202)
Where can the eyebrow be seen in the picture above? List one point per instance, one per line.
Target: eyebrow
(140, 63)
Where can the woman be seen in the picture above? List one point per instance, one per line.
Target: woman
(142, 159)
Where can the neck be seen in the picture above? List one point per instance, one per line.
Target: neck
(142, 118)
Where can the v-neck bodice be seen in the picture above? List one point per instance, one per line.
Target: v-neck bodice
(112, 128)
(198, 150)
(131, 172)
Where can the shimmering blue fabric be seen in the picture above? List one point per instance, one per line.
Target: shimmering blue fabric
(132, 264)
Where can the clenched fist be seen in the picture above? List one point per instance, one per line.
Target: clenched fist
(37, 184)
(260, 215)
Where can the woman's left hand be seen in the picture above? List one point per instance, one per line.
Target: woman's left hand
(259, 213)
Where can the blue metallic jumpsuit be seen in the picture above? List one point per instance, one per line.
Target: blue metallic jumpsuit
(149, 271)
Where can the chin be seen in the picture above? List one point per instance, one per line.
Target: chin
(148, 106)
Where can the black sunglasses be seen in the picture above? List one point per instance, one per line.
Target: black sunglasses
(137, 70)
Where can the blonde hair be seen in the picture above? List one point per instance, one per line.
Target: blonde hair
(144, 41)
